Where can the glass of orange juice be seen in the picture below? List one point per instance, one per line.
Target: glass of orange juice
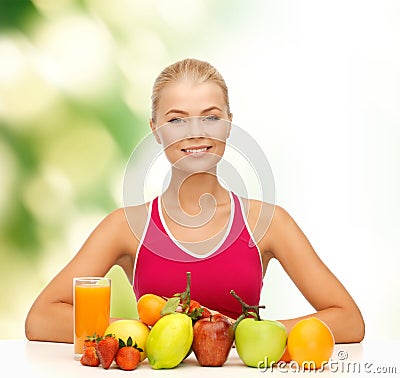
(91, 309)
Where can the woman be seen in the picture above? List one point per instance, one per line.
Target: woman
(197, 225)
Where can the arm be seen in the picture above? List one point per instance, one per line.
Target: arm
(332, 302)
(51, 315)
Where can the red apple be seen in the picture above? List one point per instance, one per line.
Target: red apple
(212, 340)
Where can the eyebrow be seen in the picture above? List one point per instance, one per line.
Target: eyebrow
(214, 107)
(178, 111)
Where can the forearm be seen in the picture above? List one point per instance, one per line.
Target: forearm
(346, 325)
(53, 323)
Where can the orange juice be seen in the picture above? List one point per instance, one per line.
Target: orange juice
(91, 310)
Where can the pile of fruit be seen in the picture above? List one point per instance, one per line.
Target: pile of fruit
(169, 329)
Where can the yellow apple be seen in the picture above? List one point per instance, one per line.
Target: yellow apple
(136, 329)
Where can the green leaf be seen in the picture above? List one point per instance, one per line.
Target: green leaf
(121, 343)
(253, 314)
(129, 342)
(171, 306)
(136, 347)
(196, 313)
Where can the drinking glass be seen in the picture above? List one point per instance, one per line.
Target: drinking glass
(91, 309)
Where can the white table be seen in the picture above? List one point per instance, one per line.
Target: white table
(40, 359)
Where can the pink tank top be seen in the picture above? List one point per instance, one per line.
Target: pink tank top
(161, 265)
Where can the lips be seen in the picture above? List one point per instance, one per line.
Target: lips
(196, 149)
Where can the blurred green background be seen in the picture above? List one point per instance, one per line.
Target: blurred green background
(316, 83)
(75, 85)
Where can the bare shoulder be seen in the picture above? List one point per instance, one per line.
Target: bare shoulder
(127, 224)
(268, 222)
(285, 237)
(259, 215)
(280, 215)
(282, 221)
(257, 211)
(136, 218)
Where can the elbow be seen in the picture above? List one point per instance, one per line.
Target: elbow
(347, 325)
(32, 327)
(30, 336)
(355, 327)
(29, 329)
(359, 329)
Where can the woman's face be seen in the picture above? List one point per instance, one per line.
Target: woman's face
(192, 124)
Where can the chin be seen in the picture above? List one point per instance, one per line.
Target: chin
(192, 164)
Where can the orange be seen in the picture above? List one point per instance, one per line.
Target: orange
(286, 356)
(149, 308)
(310, 343)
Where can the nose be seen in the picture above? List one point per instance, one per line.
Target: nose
(195, 127)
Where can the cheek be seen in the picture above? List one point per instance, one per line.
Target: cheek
(170, 136)
(220, 148)
(221, 132)
(171, 153)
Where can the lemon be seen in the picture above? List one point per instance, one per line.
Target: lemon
(169, 341)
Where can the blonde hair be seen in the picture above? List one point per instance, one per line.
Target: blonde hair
(187, 69)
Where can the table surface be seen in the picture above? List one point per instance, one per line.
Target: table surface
(42, 359)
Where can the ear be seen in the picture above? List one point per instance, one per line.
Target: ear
(230, 125)
(154, 131)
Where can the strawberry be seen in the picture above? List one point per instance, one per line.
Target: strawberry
(107, 348)
(193, 305)
(128, 356)
(206, 313)
(197, 311)
(89, 357)
(218, 316)
(89, 341)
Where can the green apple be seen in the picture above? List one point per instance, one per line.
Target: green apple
(260, 343)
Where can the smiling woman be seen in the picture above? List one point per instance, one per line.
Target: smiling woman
(191, 113)
(197, 225)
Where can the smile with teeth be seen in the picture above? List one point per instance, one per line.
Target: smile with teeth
(195, 150)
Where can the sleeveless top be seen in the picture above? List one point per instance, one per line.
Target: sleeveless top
(161, 264)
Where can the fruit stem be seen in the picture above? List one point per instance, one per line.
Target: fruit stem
(246, 308)
(185, 296)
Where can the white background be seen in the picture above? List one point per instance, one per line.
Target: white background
(317, 84)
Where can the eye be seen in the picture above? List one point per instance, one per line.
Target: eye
(176, 120)
(211, 118)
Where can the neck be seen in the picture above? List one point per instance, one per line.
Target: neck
(192, 191)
